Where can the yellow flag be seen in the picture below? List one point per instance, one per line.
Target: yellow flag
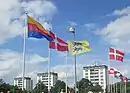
(78, 47)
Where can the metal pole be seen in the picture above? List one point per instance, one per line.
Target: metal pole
(75, 69)
(125, 86)
(66, 70)
(120, 87)
(116, 88)
(72, 30)
(24, 52)
(49, 55)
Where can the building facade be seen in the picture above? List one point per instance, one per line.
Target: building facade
(28, 83)
(97, 74)
(43, 77)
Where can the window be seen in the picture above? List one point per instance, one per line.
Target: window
(101, 82)
(91, 69)
(93, 76)
(101, 75)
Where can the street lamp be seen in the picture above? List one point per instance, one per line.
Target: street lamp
(72, 30)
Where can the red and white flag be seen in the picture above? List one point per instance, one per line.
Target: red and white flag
(115, 54)
(124, 79)
(58, 43)
(112, 71)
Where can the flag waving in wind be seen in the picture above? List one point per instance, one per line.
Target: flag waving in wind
(112, 71)
(36, 30)
(115, 54)
(78, 47)
(58, 43)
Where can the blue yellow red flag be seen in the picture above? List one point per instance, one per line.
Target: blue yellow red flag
(36, 30)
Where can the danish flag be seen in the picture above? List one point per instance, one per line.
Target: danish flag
(112, 71)
(58, 43)
(115, 54)
(124, 79)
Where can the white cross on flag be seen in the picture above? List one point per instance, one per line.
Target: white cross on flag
(115, 54)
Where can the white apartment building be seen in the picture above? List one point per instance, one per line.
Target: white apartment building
(43, 77)
(28, 83)
(97, 75)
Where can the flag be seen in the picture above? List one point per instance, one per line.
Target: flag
(36, 30)
(78, 47)
(116, 54)
(112, 71)
(118, 75)
(124, 79)
(58, 43)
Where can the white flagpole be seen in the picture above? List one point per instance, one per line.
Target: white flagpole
(49, 61)
(24, 51)
(120, 87)
(116, 88)
(125, 86)
(109, 87)
(66, 70)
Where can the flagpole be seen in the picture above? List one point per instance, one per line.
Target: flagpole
(125, 86)
(66, 70)
(113, 85)
(120, 87)
(109, 87)
(72, 29)
(49, 61)
(116, 88)
(75, 70)
(24, 51)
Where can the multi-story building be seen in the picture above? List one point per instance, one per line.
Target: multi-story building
(28, 83)
(97, 74)
(43, 77)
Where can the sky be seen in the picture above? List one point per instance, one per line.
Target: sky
(103, 23)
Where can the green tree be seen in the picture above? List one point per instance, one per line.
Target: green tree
(84, 85)
(40, 87)
(97, 89)
(4, 87)
(60, 85)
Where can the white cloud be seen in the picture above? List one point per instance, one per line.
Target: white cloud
(72, 23)
(90, 26)
(12, 16)
(116, 33)
(61, 70)
(124, 11)
(11, 64)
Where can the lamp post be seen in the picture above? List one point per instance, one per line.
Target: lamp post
(72, 30)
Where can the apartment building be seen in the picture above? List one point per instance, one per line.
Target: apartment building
(97, 74)
(28, 83)
(43, 77)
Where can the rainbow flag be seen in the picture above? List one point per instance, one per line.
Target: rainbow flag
(36, 30)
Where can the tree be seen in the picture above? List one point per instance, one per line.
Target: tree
(60, 85)
(4, 87)
(84, 85)
(40, 87)
(96, 89)
(1, 81)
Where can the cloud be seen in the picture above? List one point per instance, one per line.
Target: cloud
(90, 26)
(124, 11)
(72, 23)
(13, 16)
(116, 33)
(61, 70)
(11, 64)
